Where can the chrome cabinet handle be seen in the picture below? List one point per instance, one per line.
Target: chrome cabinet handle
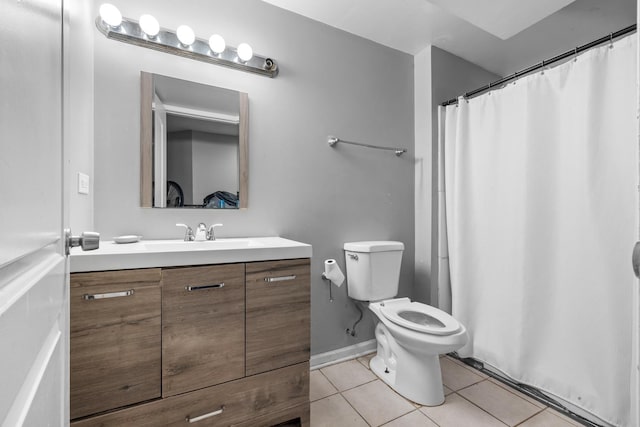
(205, 416)
(89, 297)
(201, 287)
(279, 279)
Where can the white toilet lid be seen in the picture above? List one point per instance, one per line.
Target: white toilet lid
(419, 317)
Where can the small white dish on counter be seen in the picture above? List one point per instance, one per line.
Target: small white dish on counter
(127, 239)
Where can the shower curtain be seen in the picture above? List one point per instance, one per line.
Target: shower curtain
(540, 192)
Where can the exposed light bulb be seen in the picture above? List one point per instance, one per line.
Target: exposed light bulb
(185, 35)
(149, 25)
(110, 15)
(245, 52)
(217, 44)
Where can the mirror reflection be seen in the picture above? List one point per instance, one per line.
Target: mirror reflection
(193, 142)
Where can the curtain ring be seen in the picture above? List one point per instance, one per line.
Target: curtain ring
(611, 41)
(575, 55)
(542, 66)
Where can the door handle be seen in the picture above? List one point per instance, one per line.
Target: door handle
(88, 241)
(635, 259)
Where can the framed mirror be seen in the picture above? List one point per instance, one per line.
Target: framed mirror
(193, 144)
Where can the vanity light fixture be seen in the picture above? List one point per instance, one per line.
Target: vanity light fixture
(183, 42)
(185, 35)
(217, 44)
(149, 25)
(110, 15)
(244, 52)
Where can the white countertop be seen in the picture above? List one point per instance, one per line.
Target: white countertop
(166, 253)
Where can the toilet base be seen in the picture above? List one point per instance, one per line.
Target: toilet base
(423, 386)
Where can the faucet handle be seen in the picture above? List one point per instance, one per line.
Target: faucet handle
(201, 232)
(211, 235)
(188, 234)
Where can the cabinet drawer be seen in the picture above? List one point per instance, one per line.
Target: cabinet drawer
(231, 403)
(115, 339)
(278, 318)
(202, 326)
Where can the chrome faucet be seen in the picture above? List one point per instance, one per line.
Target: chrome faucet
(188, 232)
(211, 232)
(201, 233)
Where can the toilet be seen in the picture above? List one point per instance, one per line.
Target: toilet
(410, 335)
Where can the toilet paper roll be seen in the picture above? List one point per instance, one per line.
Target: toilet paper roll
(332, 272)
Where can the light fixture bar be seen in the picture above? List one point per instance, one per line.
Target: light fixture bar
(129, 31)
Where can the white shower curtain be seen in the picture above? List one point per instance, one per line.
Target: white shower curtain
(540, 181)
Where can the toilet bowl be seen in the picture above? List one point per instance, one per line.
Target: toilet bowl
(410, 335)
(410, 338)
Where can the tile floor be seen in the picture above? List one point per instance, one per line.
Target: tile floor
(349, 394)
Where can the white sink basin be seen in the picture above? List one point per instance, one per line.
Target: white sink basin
(166, 253)
(206, 245)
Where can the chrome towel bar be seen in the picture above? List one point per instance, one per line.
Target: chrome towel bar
(333, 140)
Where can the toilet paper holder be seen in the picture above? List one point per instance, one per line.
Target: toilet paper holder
(324, 277)
(332, 274)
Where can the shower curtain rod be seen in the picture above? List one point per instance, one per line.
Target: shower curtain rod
(543, 64)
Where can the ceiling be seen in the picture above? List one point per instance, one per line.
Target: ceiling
(502, 36)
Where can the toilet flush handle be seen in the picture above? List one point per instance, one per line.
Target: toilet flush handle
(353, 256)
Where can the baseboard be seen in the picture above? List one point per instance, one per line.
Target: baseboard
(340, 355)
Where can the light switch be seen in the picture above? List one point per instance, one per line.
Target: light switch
(83, 183)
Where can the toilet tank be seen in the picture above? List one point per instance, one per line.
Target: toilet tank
(373, 269)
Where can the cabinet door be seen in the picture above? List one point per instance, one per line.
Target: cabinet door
(115, 339)
(202, 326)
(278, 315)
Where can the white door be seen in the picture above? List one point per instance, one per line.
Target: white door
(33, 267)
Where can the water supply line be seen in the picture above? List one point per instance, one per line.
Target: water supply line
(349, 331)
(352, 331)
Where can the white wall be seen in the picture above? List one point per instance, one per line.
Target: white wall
(423, 181)
(78, 93)
(330, 82)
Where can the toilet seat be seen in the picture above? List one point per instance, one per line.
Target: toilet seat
(419, 317)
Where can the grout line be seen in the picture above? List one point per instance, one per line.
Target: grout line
(357, 412)
(534, 415)
(515, 392)
(483, 410)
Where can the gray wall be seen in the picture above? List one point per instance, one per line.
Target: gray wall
(451, 76)
(330, 83)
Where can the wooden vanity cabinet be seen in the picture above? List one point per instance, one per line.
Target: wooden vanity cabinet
(115, 339)
(278, 314)
(224, 345)
(202, 326)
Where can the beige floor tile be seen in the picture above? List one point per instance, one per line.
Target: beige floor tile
(377, 403)
(455, 376)
(334, 411)
(502, 404)
(319, 386)
(412, 419)
(464, 365)
(548, 418)
(457, 412)
(348, 374)
(517, 393)
(365, 359)
(447, 390)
